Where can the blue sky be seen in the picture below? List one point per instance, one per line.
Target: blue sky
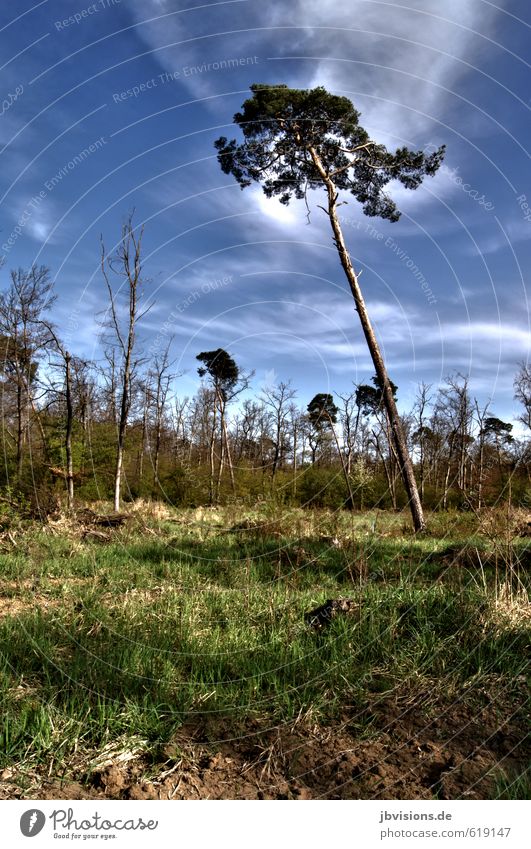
(110, 106)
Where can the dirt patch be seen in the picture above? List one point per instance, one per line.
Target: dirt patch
(23, 596)
(16, 605)
(415, 749)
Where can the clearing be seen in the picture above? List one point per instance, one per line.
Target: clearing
(169, 657)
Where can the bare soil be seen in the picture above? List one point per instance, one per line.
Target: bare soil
(414, 749)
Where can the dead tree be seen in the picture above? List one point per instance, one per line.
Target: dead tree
(66, 359)
(161, 380)
(126, 265)
(419, 436)
(277, 399)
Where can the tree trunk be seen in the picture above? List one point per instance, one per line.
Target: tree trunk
(118, 476)
(221, 465)
(276, 455)
(406, 466)
(387, 470)
(447, 475)
(294, 483)
(212, 453)
(158, 438)
(227, 449)
(422, 471)
(480, 475)
(40, 425)
(68, 435)
(350, 502)
(20, 429)
(143, 435)
(128, 256)
(124, 409)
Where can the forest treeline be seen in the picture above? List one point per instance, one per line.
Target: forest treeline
(118, 428)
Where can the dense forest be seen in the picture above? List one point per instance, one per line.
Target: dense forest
(118, 428)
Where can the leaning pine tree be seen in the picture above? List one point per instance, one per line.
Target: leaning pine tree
(295, 140)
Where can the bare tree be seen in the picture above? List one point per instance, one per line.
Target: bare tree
(161, 379)
(276, 399)
(84, 391)
(248, 431)
(481, 416)
(74, 397)
(200, 425)
(108, 392)
(296, 424)
(66, 367)
(522, 393)
(422, 432)
(23, 337)
(349, 416)
(145, 392)
(454, 408)
(126, 265)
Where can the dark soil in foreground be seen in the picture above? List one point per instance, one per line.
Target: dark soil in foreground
(415, 750)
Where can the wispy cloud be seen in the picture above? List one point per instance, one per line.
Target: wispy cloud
(402, 62)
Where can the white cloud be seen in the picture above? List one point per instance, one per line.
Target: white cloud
(403, 63)
(273, 209)
(516, 230)
(510, 335)
(397, 64)
(400, 63)
(39, 227)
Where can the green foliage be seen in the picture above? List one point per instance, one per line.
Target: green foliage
(318, 487)
(514, 786)
(13, 508)
(179, 488)
(363, 483)
(322, 411)
(221, 368)
(282, 127)
(370, 399)
(494, 427)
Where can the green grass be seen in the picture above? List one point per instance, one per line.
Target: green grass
(134, 637)
(514, 786)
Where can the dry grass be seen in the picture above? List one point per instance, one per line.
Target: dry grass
(511, 607)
